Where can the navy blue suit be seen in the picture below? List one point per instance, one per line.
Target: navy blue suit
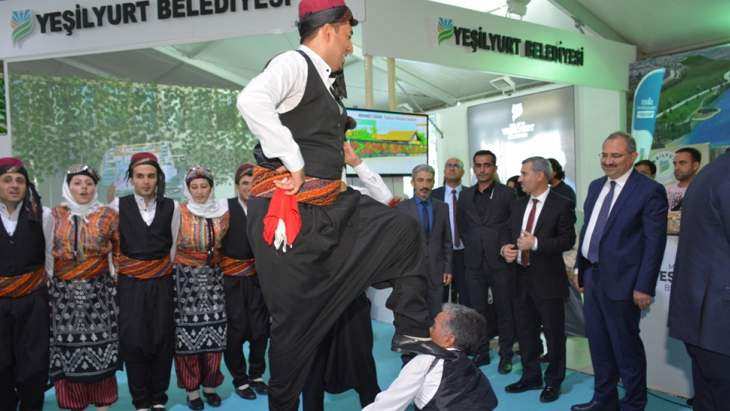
(699, 307)
(630, 255)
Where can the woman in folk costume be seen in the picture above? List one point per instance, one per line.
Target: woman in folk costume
(84, 332)
(200, 317)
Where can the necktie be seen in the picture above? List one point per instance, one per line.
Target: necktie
(525, 254)
(425, 220)
(456, 236)
(600, 225)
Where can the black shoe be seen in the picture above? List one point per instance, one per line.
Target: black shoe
(550, 393)
(260, 387)
(401, 342)
(196, 404)
(213, 399)
(522, 386)
(413, 346)
(594, 405)
(158, 407)
(690, 401)
(246, 393)
(544, 358)
(482, 359)
(505, 365)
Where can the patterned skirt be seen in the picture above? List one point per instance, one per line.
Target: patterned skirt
(84, 332)
(200, 314)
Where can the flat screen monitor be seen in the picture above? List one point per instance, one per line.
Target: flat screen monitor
(390, 143)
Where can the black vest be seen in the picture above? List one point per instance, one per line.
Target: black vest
(318, 126)
(25, 251)
(463, 387)
(140, 241)
(235, 243)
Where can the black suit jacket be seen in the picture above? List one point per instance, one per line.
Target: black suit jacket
(699, 307)
(481, 235)
(438, 246)
(555, 233)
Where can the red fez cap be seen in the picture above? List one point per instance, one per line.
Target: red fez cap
(11, 162)
(137, 157)
(307, 7)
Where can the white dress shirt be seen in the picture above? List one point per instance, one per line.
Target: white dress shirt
(417, 383)
(279, 89)
(243, 205)
(540, 203)
(620, 183)
(148, 211)
(375, 187)
(10, 220)
(447, 199)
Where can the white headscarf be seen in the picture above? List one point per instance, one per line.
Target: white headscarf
(211, 208)
(81, 210)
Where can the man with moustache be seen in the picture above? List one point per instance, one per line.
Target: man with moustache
(148, 225)
(484, 211)
(620, 253)
(24, 312)
(449, 194)
(432, 214)
(686, 162)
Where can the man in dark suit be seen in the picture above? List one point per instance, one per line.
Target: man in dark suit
(699, 306)
(433, 215)
(541, 228)
(449, 194)
(620, 254)
(484, 211)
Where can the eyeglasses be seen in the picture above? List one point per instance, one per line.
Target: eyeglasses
(613, 156)
(454, 165)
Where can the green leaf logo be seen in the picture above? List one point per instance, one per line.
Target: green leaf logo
(445, 29)
(22, 24)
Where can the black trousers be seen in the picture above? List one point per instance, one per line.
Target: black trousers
(612, 328)
(146, 337)
(344, 360)
(24, 338)
(711, 379)
(459, 290)
(530, 313)
(503, 285)
(248, 320)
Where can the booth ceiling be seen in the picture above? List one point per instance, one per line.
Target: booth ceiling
(231, 63)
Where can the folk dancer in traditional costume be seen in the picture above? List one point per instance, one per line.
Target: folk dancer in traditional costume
(147, 226)
(248, 317)
(318, 244)
(84, 331)
(200, 315)
(23, 293)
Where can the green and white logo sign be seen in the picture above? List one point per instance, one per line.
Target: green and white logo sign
(22, 24)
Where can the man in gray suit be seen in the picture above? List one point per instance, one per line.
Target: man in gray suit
(433, 215)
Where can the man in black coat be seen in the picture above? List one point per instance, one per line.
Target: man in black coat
(449, 194)
(433, 216)
(484, 211)
(699, 306)
(541, 228)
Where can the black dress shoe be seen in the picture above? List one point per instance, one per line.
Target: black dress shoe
(522, 386)
(594, 405)
(158, 407)
(482, 359)
(260, 387)
(427, 347)
(505, 365)
(196, 404)
(400, 342)
(246, 393)
(550, 393)
(213, 399)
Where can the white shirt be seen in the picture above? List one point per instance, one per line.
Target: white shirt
(279, 89)
(243, 205)
(620, 183)
(148, 211)
(540, 203)
(10, 220)
(375, 187)
(415, 384)
(447, 200)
